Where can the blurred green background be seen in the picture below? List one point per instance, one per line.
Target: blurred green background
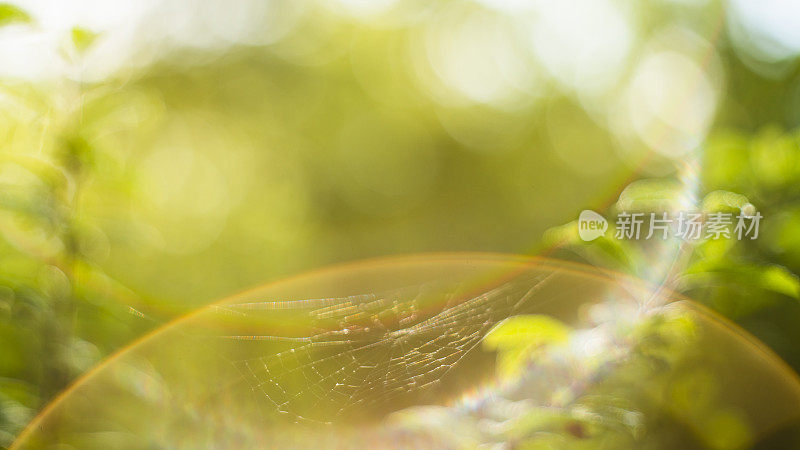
(155, 156)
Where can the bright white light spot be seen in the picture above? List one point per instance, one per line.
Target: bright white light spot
(132, 33)
(589, 343)
(769, 28)
(689, 2)
(670, 103)
(28, 54)
(475, 55)
(582, 43)
(507, 5)
(35, 51)
(363, 8)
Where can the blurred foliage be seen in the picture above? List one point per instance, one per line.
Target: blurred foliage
(57, 317)
(518, 337)
(10, 14)
(653, 385)
(753, 281)
(206, 171)
(82, 39)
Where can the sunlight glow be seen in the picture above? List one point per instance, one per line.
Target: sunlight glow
(475, 55)
(670, 103)
(582, 43)
(767, 29)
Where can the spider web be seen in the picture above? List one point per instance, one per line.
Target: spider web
(370, 349)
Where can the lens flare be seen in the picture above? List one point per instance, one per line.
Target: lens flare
(388, 353)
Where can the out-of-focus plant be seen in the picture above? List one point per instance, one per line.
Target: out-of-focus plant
(276, 159)
(10, 14)
(54, 300)
(752, 281)
(614, 398)
(520, 337)
(630, 381)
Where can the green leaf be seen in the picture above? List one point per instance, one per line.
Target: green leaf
(725, 201)
(10, 14)
(772, 278)
(779, 279)
(526, 330)
(82, 39)
(653, 195)
(606, 250)
(715, 251)
(517, 338)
